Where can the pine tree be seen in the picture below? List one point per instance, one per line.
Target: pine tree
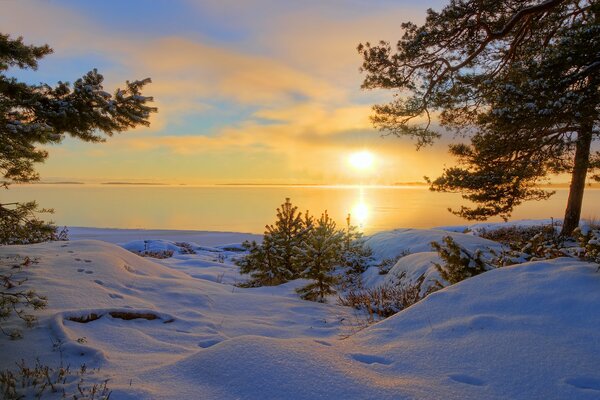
(261, 264)
(355, 254)
(322, 252)
(287, 235)
(278, 258)
(520, 77)
(34, 115)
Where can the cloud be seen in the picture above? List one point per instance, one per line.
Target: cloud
(290, 87)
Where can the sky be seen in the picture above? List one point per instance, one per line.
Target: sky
(256, 91)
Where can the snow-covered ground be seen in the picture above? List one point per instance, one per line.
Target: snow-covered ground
(528, 331)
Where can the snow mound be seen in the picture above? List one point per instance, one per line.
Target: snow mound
(156, 245)
(391, 244)
(412, 267)
(252, 367)
(521, 332)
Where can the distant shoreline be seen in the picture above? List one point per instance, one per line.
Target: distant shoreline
(563, 185)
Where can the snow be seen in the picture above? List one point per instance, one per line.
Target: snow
(489, 226)
(521, 332)
(118, 236)
(391, 244)
(413, 266)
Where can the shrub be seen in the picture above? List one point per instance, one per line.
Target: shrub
(185, 248)
(159, 254)
(28, 382)
(517, 237)
(589, 241)
(386, 300)
(459, 263)
(387, 264)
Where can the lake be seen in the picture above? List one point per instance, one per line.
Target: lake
(249, 208)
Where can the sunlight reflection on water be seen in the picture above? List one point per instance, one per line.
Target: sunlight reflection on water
(249, 209)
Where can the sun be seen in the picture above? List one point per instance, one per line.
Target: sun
(361, 160)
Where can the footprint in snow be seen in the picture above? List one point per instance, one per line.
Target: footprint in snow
(115, 296)
(88, 261)
(584, 382)
(206, 343)
(80, 269)
(370, 359)
(466, 379)
(324, 343)
(99, 282)
(89, 272)
(78, 259)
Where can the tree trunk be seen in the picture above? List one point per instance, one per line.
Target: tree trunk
(580, 167)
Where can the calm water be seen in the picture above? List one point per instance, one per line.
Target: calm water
(248, 209)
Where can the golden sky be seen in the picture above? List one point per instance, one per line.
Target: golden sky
(260, 91)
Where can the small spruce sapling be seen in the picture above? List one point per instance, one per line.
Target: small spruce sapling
(321, 251)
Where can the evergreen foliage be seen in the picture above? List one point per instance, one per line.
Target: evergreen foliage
(278, 258)
(287, 235)
(459, 263)
(298, 246)
(322, 251)
(39, 115)
(520, 77)
(262, 264)
(13, 299)
(356, 255)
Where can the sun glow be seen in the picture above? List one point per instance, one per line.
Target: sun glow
(361, 160)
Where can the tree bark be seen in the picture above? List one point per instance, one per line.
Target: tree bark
(580, 168)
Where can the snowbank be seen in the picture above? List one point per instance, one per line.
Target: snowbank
(521, 332)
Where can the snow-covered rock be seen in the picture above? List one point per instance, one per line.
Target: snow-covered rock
(391, 244)
(412, 266)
